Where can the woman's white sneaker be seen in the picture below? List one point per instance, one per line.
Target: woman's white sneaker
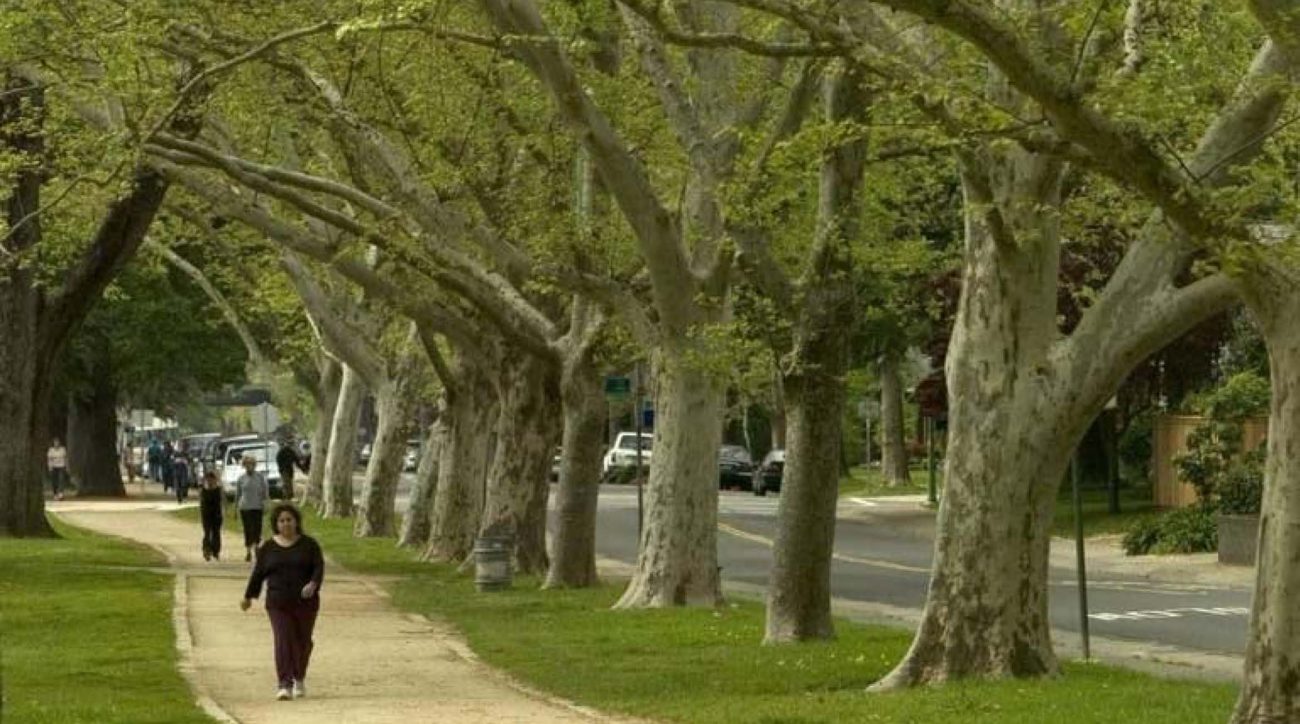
(299, 689)
(283, 694)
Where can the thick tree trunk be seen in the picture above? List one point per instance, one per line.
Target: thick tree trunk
(799, 586)
(418, 519)
(342, 458)
(1270, 689)
(1008, 444)
(25, 391)
(326, 397)
(519, 484)
(395, 404)
(893, 460)
(463, 467)
(573, 563)
(678, 560)
(92, 439)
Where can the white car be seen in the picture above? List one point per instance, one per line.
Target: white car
(232, 466)
(623, 452)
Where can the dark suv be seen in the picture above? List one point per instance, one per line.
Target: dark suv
(735, 468)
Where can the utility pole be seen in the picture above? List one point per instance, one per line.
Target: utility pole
(1076, 473)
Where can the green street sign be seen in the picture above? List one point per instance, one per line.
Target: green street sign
(618, 387)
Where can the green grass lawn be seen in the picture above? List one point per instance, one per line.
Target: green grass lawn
(1097, 520)
(707, 666)
(870, 483)
(82, 640)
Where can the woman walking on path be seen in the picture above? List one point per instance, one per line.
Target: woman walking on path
(56, 462)
(210, 503)
(292, 566)
(181, 476)
(251, 491)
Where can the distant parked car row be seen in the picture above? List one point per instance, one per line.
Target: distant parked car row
(736, 467)
(410, 460)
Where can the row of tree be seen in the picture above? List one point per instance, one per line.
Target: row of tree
(522, 200)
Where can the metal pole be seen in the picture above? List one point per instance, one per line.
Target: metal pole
(929, 443)
(640, 422)
(1076, 473)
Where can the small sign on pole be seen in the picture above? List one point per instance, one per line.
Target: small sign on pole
(618, 387)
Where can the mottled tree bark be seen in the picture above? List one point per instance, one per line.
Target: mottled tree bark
(518, 484)
(678, 560)
(395, 406)
(463, 467)
(799, 585)
(573, 563)
(893, 459)
(342, 458)
(418, 519)
(1270, 691)
(326, 397)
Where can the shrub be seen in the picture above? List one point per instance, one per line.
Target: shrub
(1142, 536)
(1241, 491)
(1134, 447)
(1188, 530)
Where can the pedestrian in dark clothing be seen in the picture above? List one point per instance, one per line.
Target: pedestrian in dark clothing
(251, 493)
(154, 458)
(210, 510)
(181, 476)
(168, 466)
(292, 566)
(286, 460)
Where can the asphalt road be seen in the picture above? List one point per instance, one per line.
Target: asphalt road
(885, 564)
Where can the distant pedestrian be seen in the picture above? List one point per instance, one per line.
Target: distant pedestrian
(286, 460)
(56, 463)
(181, 476)
(167, 464)
(292, 566)
(251, 493)
(153, 457)
(211, 499)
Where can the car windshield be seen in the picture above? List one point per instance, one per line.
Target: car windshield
(733, 452)
(261, 453)
(629, 443)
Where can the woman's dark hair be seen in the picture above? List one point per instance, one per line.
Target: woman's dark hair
(289, 508)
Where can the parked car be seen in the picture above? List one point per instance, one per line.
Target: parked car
(770, 472)
(622, 454)
(213, 455)
(412, 459)
(735, 468)
(363, 457)
(263, 452)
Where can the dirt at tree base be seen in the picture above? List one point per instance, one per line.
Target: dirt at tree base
(372, 663)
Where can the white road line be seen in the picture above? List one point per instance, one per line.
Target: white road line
(1170, 613)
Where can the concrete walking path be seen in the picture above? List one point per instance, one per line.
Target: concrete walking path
(372, 664)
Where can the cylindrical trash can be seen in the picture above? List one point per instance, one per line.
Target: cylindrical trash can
(492, 558)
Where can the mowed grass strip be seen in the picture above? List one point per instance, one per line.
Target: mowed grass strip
(707, 666)
(83, 638)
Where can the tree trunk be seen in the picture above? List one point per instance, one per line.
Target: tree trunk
(326, 396)
(25, 392)
(395, 404)
(92, 438)
(1008, 444)
(342, 459)
(1270, 689)
(678, 560)
(518, 485)
(418, 519)
(463, 467)
(574, 551)
(893, 459)
(799, 585)
(778, 414)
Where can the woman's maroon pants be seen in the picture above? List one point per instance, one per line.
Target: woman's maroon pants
(292, 623)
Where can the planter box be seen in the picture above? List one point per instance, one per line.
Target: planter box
(1238, 539)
